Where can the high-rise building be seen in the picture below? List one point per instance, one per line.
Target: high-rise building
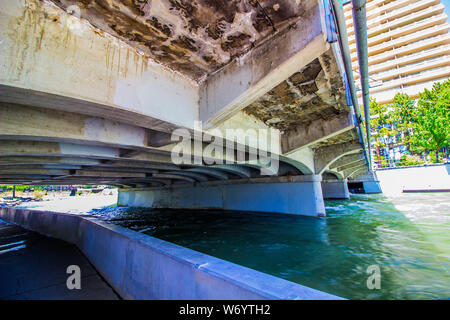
(409, 46)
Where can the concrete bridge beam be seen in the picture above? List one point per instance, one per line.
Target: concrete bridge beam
(325, 156)
(244, 80)
(51, 65)
(129, 86)
(292, 195)
(348, 173)
(315, 132)
(12, 148)
(20, 122)
(345, 160)
(351, 165)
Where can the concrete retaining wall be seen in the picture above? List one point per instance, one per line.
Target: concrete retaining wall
(394, 180)
(138, 266)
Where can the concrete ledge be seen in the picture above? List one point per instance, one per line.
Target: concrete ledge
(138, 266)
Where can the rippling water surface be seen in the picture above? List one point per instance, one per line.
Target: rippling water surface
(407, 236)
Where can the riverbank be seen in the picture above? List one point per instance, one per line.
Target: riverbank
(71, 204)
(418, 178)
(406, 235)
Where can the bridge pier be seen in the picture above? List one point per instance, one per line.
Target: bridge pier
(372, 186)
(369, 183)
(300, 195)
(335, 189)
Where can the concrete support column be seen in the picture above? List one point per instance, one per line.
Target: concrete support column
(372, 187)
(371, 184)
(335, 189)
(293, 195)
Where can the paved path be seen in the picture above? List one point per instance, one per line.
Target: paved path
(33, 266)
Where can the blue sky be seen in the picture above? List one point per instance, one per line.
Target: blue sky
(446, 3)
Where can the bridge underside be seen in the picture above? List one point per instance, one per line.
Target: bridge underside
(92, 91)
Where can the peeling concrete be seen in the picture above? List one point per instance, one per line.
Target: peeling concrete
(315, 92)
(165, 64)
(193, 37)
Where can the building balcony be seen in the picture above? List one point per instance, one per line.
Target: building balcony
(431, 37)
(387, 96)
(408, 59)
(414, 79)
(378, 7)
(402, 31)
(392, 19)
(371, 4)
(383, 15)
(441, 61)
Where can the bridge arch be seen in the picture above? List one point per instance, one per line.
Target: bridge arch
(332, 175)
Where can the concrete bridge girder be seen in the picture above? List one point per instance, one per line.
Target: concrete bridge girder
(125, 111)
(99, 162)
(327, 155)
(351, 165)
(317, 131)
(359, 173)
(345, 160)
(194, 175)
(349, 172)
(121, 140)
(217, 174)
(128, 86)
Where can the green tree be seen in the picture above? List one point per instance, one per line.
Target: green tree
(382, 124)
(403, 115)
(432, 125)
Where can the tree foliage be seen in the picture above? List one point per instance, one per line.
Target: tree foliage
(422, 126)
(432, 126)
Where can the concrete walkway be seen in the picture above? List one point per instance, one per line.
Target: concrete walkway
(33, 266)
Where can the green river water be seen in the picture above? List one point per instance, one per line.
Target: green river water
(407, 236)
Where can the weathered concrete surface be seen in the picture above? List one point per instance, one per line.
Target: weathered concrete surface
(90, 91)
(195, 38)
(299, 195)
(138, 266)
(251, 76)
(345, 160)
(324, 156)
(33, 267)
(316, 132)
(58, 56)
(48, 51)
(315, 92)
